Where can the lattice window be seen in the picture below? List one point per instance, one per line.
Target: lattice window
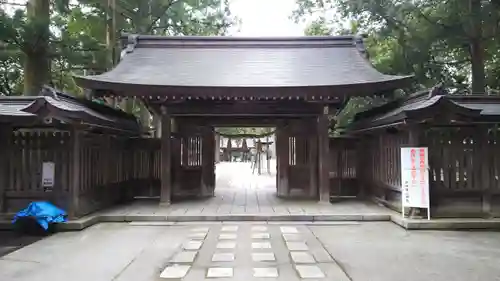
(191, 151)
(298, 151)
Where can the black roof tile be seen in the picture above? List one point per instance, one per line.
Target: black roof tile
(242, 62)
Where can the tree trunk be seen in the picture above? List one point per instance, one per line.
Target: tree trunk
(476, 48)
(111, 33)
(37, 61)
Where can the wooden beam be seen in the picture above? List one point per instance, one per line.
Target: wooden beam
(242, 108)
(75, 154)
(207, 159)
(217, 148)
(324, 156)
(283, 159)
(313, 161)
(483, 175)
(233, 121)
(166, 171)
(5, 141)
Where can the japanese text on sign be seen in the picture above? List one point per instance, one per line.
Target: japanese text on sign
(415, 177)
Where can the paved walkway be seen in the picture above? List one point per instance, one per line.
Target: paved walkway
(242, 194)
(256, 251)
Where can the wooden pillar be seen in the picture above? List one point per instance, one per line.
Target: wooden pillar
(217, 148)
(228, 149)
(282, 155)
(76, 139)
(166, 171)
(5, 141)
(259, 158)
(313, 160)
(363, 159)
(207, 159)
(484, 175)
(324, 156)
(176, 164)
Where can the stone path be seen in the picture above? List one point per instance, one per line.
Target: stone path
(198, 251)
(239, 192)
(252, 252)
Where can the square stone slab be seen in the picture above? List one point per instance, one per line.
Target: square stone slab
(288, 229)
(259, 228)
(302, 257)
(192, 245)
(309, 271)
(263, 257)
(227, 236)
(198, 235)
(223, 257)
(226, 245)
(262, 235)
(230, 228)
(184, 257)
(261, 245)
(200, 229)
(297, 246)
(292, 237)
(265, 272)
(175, 271)
(220, 272)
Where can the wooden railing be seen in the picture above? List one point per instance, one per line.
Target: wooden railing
(343, 167)
(109, 167)
(464, 169)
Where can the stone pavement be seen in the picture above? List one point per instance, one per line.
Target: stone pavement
(256, 251)
(250, 252)
(11, 241)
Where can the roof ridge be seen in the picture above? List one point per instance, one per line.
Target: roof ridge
(241, 38)
(426, 94)
(99, 108)
(132, 41)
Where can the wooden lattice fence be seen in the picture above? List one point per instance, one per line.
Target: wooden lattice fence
(111, 169)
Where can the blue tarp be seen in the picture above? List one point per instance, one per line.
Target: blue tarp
(43, 212)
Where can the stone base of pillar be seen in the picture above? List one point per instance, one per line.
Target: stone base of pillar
(165, 204)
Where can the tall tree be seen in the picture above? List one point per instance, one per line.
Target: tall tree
(36, 46)
(450, 41)
(85, 32)
(28, 32)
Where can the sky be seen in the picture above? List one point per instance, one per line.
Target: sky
(265, 18)
(260, 18)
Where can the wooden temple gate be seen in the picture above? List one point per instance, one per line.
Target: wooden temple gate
(98, 150)
(293, 84)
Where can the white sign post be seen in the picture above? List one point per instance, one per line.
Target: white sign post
(415, 179)
(48, 175)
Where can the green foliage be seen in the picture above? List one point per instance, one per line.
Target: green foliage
(353, 106)
(244, 131)
(78, 30)
(429, 38)
(454, 42)
(318, 27)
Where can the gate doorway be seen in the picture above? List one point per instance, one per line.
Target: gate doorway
(246, 163)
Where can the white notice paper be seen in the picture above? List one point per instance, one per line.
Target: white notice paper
(48, 174)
